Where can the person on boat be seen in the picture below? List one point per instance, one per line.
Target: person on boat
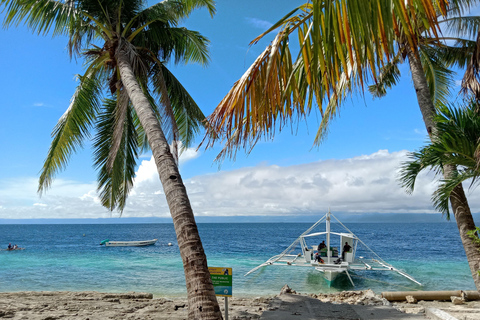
(15, 247)
(10, 246)
(322, 245)
(346, 248)
(318, 258)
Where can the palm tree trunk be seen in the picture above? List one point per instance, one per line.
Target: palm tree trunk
(458, 200)
(202, 302)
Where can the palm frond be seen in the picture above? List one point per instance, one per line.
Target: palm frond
(466, 27)
(333, 37)
(459, 54)
(115, 181)
(389, 76)
(439, 78)
(187, 116)
(264, 94)
(71, 129)
(185, 45)
(119, 115)
(183, 8)
(42, 15)
(441, 196)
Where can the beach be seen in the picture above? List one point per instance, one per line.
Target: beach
(50, 305)
(90, 305)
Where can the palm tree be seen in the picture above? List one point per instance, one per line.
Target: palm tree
(432, 80)
(457, 143)
(129, 97)
(343, 45)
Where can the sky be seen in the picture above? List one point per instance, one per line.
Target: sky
(353, 172)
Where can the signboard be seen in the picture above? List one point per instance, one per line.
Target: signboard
(222, 281)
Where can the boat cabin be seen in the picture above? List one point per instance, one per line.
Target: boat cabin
(331, 252)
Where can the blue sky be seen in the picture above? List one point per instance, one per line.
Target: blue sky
(353, 171)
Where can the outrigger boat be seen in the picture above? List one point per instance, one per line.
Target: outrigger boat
(142, 243)
(328, 260)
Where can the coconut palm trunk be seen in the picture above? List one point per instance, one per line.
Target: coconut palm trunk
(202, 302)
(458, 200)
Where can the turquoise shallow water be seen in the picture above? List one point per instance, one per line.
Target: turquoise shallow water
(69, 257)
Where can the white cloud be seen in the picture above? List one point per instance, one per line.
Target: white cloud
(258, 23)
(40, 204)
(363, 184)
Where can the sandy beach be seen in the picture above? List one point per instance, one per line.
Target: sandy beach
(97, 306)
(100, 306)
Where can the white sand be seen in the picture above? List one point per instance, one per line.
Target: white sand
(129, 306)
(100, 306)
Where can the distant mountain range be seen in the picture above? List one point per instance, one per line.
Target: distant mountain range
(343, 217)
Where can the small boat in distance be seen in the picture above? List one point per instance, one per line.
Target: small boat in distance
(13, 248)
(327, 258)
(143, 243)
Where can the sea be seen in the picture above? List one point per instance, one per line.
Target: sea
(68, 257)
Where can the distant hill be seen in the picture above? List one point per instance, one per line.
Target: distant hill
(343, 217)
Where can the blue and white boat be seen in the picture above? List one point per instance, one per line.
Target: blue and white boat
(331, 260)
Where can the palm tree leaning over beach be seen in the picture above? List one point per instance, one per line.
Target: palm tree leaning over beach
(343, 45)
(129, 97)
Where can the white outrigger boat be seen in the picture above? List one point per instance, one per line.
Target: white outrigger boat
(328, 260)
(109, 243)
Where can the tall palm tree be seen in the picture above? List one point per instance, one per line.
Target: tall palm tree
(344, 44)
(129, 97)
(432, 81)
(457, 143)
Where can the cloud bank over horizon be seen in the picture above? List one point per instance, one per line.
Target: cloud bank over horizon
(363, 184)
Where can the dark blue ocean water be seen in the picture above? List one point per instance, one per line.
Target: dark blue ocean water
(69, 257)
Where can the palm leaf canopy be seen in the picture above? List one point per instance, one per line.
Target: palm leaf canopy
(457, 143)
(343, 45)
(96, 31)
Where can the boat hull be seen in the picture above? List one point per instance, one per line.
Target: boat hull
(330, 276)
(130, 243)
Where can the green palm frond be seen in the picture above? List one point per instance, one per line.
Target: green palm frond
(441, 196)
(183, 8)
(115, 180)
(439, 77)
(71, 129)
(427, 158)
(459, 54)
(388, 77)
(185, 45)
(456, 143)
(188, 117)
(42, 15)
(466, 27)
